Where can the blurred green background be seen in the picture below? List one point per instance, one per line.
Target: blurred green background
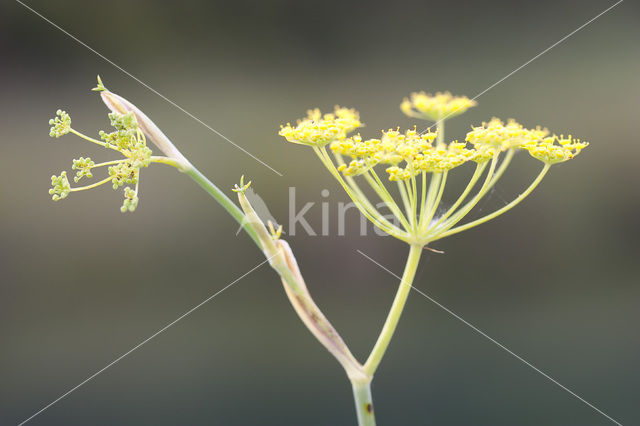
(555, 280)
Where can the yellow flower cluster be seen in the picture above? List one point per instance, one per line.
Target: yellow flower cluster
(435, 107)
(419, 163)
(501, 136)
(496, 136)
(414, 149)
(549, 152)
(318, 130)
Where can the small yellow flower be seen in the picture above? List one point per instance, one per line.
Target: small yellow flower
(398, 173)
(356, 167)
(318, 130)
(414, 149)
(502, 136)
(442, 159)
(435, 107)
(549, 152)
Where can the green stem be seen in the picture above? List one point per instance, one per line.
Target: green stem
(93, 185)
(499, 211)
(364, 403)
(92, 140)
(377, 185)
(434, 205)
(373, 216)
(502, 168)
(109, 163)
(414, 201)
(405, 200)
(476, 175)
(384, 195)
(168, 161)
(223, 200)
(365, 201)
(459, 215)
(396, 310)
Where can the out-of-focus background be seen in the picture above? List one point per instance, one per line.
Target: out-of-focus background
(556, 280)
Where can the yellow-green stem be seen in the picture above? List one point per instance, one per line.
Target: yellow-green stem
(389, 199)
(92, 140)
(476, 175)
(109, 163)
(372, 216)
(395, 312)
(364, 403)
(434, 207)
(460, 214)
(498, 212)
(384, 195)
(363, 199)
(93, 185)
(223, 200)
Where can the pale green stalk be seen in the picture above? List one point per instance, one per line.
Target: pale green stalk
(502, 168)
(498, 212)
(427, 219)
(379, 186)
(405, 199)
(385, 196)
(433, 183)
(223, 200)
(490, 181)
(414, 202)
(281, 259)
(423, 196)
(109, 163)
(92, 140)
(435, 177)
(93, 185)
(382, 193)
(476, 175)
(364, 403)
(395, 312)
(365, 201)
(166, 160)
(372, 216)
(471, 204)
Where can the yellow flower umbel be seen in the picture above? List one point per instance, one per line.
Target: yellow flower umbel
(551, 153)
(318, 130)
(435, 107)
(418, 164)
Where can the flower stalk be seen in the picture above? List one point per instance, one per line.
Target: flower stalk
(364, 403)
(400, 300)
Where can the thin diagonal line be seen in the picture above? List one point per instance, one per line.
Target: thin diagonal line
(143, 342)
(150, 88)
(500, 345)
(528, 62)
